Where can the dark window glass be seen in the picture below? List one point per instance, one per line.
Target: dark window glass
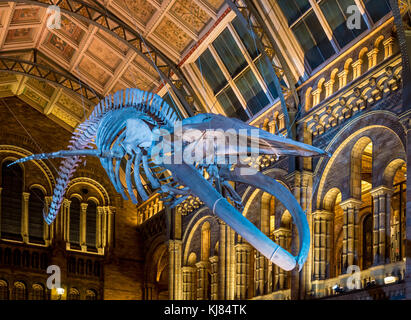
(91, 224)
(367, 242)
(36, 216)
(335, 11)
(293, 9)
(263, 68)
(313, 40)
(173, 105)
(247, 38)
(252, 92)
(232, 107)
(210, 71)
(75, 221)
(377, 8)
(230, 53)
(4, 290)
(11, 198)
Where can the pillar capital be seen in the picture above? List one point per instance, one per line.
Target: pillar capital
(282, 232)
(213, 259)
(324, 214)
(26, 196)
(83, 206)
(381, 190)
(243, 246)
(203, 264)
(351, 204)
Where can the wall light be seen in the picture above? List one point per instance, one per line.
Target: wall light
(390, 279)
(60, 291)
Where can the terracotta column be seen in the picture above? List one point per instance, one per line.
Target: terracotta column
(214, 277)
(226, 265)
(282, 237)
(381, 224)
(243, 255)
(202, 280)
(189, 283)
(322, 233)
(175, 285)
(351, 209)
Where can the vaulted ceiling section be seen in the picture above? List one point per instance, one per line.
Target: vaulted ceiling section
(91, 55)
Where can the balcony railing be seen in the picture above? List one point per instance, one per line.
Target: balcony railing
(369, 278)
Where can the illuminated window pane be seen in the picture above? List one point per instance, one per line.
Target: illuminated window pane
(230, 53)
(251, 91)
(313, 40)
(232, 107)
(293, 9)
(247, 37)
(210, 71)
(335, 12)
(263, 68)
(377, 8)
(91, 224)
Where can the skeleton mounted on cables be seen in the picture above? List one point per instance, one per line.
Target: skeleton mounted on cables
(138, 138)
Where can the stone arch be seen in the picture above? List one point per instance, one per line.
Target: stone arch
(390, 171)
(355, 163)
(308, 99)
(205, 241)
(372, 120)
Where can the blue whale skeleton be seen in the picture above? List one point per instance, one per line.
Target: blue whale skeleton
(124, 132)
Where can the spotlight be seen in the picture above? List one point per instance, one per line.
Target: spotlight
(60, 291)
(390, 279)
(337, 288)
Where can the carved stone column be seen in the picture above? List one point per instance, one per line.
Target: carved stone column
(175, 284)
(243, 258)
(110, 225)
(388, 46)
(47, 235)
(342, 77)
(66, 214)
(226, 265)
(214, 277)
(25, 218)
(282, 237)
(357, 68)
(351, 209)
(83, 221)
(323, 224)
(381, 224)
(100, 215)
(189, 283)
(202, 280)
(150, 292)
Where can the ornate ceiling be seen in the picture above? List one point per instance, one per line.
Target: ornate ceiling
(95, 57)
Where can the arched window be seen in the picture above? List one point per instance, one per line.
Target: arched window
(91, 224)
(4, 290)
(19, 291)
(11, 201)
(75, 222)
(91, 295)
(38, 292)
(36, 224)
(367, 231)
(74, 294)
(205, 241)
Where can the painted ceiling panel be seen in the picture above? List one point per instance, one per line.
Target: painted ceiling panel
(189, 13)
(58, 46)
(171, 34)
(142, 10)
(102, 52)
(89, 67)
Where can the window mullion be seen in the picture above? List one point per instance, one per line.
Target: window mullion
(250, 61)
(364, 13)
(229, 79)
(204, 88)
(324, 24)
